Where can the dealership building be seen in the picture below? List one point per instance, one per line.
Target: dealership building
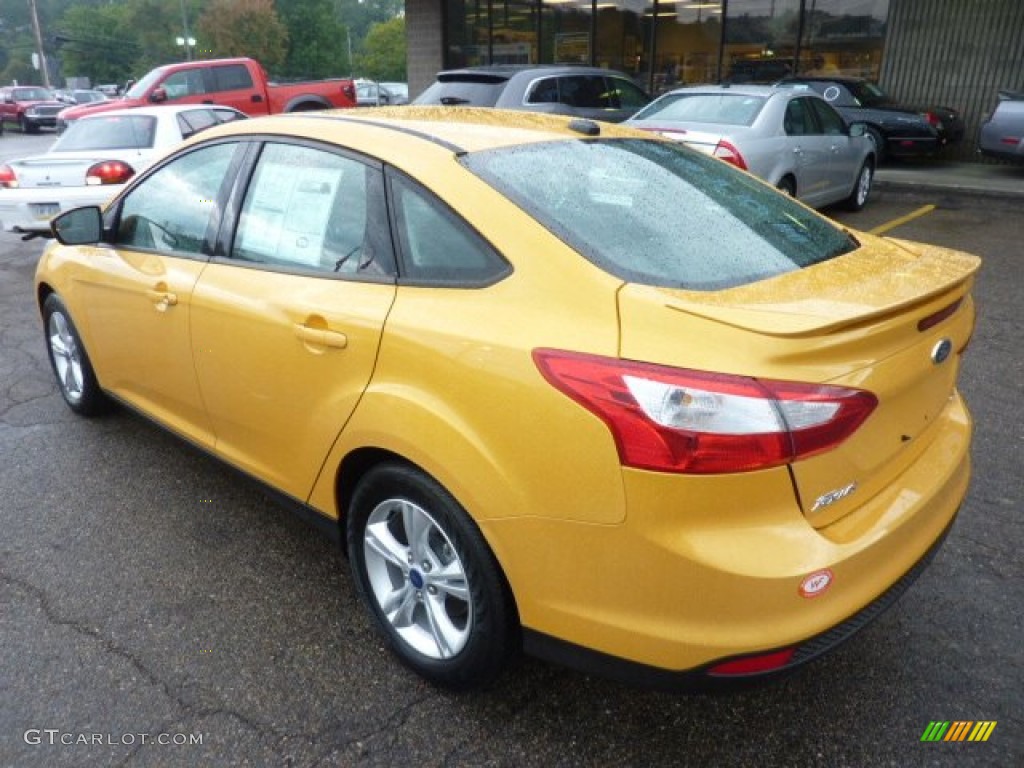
(956, 53)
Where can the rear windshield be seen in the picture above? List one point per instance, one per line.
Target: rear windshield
(657, 213)
(471, 90)
(719, 108)
(108, 132)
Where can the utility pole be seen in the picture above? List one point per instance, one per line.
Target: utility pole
(184, 26)
(39, 43)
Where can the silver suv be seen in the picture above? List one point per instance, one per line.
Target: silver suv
(590, 92)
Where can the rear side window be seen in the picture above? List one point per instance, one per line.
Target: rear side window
(584, 91)
(657, 213)
(799, 120)
(436, 245)
(234, 77)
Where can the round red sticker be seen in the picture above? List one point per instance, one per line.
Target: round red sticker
(816, 583)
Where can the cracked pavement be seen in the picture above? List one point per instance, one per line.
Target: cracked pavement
(144, 589)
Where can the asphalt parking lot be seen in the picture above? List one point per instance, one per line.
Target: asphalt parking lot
(158, 610)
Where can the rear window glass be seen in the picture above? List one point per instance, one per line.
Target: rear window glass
(718, 108)
(108, 132)
(656, 213)
(480, 92)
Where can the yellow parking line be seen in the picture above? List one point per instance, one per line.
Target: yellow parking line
(923, 210)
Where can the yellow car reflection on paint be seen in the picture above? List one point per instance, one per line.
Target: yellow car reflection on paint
(559, 386)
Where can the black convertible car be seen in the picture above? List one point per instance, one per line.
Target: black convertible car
(897, 130)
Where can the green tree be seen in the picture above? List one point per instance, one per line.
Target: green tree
(244, 28)
(90, 42)
(383, 56)
(318, 42)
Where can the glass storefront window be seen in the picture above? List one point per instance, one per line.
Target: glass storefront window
(663, 44)
(565, 31)
(760, 40)
(688, 41)
(844, 37)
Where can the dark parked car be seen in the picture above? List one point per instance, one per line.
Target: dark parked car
(898, 130)
(1002, 134)
(591, 92)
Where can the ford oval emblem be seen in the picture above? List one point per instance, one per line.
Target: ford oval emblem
(941, 351)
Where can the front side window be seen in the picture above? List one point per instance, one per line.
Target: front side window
(832, 124)
(657, 213)
(186, 83)
(173, 209)
(310, 209)
(626, 95)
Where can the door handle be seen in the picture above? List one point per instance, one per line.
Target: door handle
(256, 98)
(162, 299)
(321, 337)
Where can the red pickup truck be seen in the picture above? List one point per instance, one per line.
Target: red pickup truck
(240, 83)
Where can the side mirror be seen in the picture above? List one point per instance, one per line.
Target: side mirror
(857, 129)
(80, 226)
(158, 95)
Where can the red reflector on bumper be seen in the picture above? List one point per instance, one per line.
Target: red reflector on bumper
(751, 665)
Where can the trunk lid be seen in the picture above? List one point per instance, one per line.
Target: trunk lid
(890, 317)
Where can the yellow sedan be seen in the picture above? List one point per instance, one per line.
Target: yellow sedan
(559, 386)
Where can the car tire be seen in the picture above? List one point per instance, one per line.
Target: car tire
(787, 186)
(76, 379)
(876, 138)
(423, 569)
(24, 125)
(861, 188)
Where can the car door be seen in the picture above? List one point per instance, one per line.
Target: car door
(844, 152)
(809, 149)
(140, 298)
(288, 316)
(232, 86)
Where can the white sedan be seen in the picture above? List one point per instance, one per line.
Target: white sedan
(90, 163)
(790, 138)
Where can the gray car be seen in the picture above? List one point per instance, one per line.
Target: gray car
(590, 92)
(1002, 134)
(792, 139)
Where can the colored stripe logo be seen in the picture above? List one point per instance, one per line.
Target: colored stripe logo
(959, 730)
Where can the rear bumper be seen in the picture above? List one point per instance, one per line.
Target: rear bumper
(705, 678)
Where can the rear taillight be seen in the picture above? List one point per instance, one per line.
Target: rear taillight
(933, 120)
(8, 179)
(729, 153)
(109, 172)
(679, 420)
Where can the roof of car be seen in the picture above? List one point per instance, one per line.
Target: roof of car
(742, 89)
(509, 70)
(155, 110)
(413, 130)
